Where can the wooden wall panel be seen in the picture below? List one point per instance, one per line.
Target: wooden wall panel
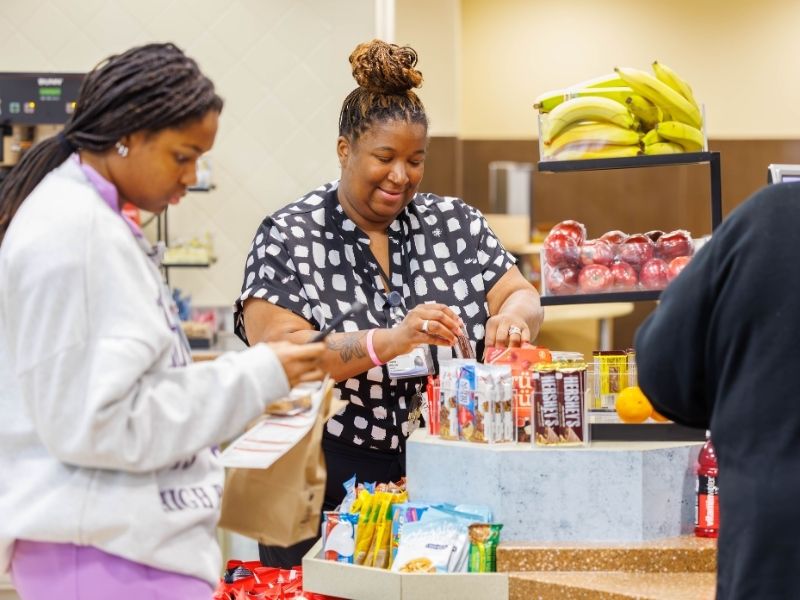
(633, 200)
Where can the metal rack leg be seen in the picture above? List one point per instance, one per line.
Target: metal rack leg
(716, 191)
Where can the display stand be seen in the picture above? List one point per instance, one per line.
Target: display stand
(604, 492)
(604, 164)
(162, 235)
(601, 429)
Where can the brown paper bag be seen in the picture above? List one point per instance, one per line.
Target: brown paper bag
(280, 505)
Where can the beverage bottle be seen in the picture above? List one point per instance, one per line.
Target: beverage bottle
(706, 503)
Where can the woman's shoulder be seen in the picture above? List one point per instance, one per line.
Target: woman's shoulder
(311, 202)
(302, 216)
(61, 207)
(431, 206)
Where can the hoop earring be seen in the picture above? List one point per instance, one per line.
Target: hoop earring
(122, 149)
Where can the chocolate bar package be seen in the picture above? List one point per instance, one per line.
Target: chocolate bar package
(522, 361)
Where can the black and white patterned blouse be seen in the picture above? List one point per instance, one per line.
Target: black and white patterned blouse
(310, 258)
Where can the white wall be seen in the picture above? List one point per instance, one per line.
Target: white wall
(741, 57)
(433, 29)
(281, 67)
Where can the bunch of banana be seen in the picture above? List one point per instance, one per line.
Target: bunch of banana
(594, 137)
(582, 152)
(549, 100)
(589, 108)
(619, 114)
(663, 95)
(663, 148)
(687, 136)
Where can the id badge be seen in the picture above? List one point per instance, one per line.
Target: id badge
(417, 363)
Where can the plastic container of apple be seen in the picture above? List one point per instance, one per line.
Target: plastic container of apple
(616, 261)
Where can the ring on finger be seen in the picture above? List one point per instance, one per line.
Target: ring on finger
(514, 330)
(425, 324)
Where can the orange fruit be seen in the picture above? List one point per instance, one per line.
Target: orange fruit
(632, 405)
(657, 416)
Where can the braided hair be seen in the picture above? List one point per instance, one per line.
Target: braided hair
(147, 88)
(385, 75)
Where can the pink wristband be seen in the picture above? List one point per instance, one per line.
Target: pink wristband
(371, 349)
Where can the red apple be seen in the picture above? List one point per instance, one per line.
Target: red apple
(561, 250)
(597, 252)
(676, 265)
(654, 234)
(653, 274)
(594, 279)
(625, 277)
(674, 244)
(561, 281)
(614, 237)
(636, 250)
(570, 228)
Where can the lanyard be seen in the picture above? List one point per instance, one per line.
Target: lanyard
(394, 299)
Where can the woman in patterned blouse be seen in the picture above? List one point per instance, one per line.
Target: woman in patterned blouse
(423, 265)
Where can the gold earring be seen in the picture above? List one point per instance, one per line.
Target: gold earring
(122, 149)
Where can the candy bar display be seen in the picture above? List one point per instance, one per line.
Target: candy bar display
(376, 526)
(517, 413)
(473, 401)
(614, 262)
(559, 401)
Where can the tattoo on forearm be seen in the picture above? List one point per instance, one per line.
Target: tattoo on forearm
(348, 345)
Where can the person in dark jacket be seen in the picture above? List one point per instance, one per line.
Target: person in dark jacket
(722, 352)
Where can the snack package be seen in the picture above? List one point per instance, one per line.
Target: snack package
(365, 505)
(546, 418)
(483, 540)
(349, 496)
(463, 346)
(430, 546)
(522, 361)
(406, 512)
(338, 539)
(432, 417)
(380, 551)
(571, 382)
(449, 373)
(466, 386)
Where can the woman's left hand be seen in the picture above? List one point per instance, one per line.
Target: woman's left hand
(506, 331)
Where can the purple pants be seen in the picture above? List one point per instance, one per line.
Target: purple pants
(43, 571)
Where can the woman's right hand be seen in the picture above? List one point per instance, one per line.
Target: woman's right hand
(301, 362)
(426, 324)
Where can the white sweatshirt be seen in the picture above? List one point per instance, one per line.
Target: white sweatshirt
(102, 441)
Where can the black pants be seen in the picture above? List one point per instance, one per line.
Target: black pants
(342, 461)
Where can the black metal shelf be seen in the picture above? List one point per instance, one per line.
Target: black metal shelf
(630, 162)
(601, 164)
(645, 432)
(598, 298)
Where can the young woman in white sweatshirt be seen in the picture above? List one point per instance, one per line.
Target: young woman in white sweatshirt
(109, 480)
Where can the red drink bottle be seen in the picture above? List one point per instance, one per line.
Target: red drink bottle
(706, 504)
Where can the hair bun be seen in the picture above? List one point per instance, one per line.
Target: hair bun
(385, 68)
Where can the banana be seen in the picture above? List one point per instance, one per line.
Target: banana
(652, 137)
(581, 151)
(687, 136)
(663, 148)
(589, 108)
(592, 134)
(549, 100)
(609, 80)
(660, 94)
(647, 112)
(673, 80)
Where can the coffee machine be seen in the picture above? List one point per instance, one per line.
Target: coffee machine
(33, 106)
